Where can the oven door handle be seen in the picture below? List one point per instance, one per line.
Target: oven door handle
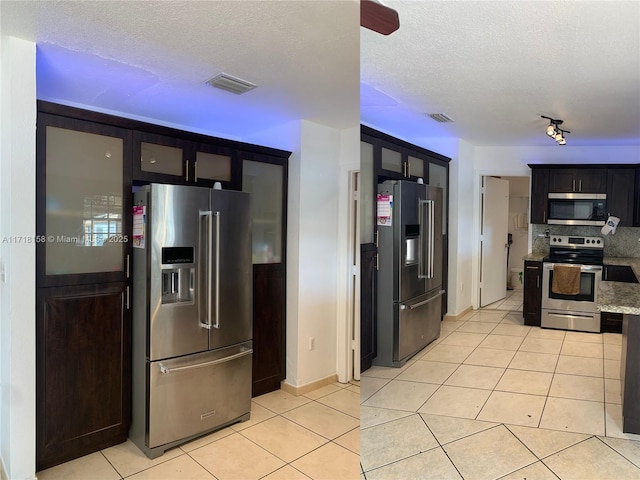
(583, 268)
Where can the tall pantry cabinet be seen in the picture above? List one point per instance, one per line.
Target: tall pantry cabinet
(83, 321)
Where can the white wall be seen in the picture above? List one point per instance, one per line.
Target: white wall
(461, 225)
(312, 268)
(515, 159)
(17, 295)
(317, 302)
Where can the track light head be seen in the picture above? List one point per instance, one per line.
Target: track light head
(554, 130)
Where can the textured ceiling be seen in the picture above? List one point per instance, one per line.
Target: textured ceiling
(151, 59)
(495, 67)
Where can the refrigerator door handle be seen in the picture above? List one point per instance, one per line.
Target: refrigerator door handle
(165, 369)
(216, 309)
(212, 272)
(432, 220)
(405, 306)
(425, 255)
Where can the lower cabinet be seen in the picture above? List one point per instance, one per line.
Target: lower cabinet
(83, 370)
(611, 322)
(367, 305)
(268, 328)
(531, 307)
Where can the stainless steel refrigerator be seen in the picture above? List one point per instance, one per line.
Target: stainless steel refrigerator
(409, 306)
(192, 313)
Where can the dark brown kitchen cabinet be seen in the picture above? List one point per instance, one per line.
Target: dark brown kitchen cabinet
(265, 178)
(539, 194)
(620, 194)
(83, 371)
(368, 332)
(531, 307)
(83, 202)
(269, 368)
(177, 160)
(87, 163)
(577, 180)
(399, 162)
(83, 321)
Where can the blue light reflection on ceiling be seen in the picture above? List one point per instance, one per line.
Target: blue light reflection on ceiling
(88, 81)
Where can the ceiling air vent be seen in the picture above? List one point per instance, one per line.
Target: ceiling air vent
(231, 84)
(441, 117)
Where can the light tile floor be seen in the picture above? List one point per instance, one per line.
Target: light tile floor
(493, 398)
(313, 436)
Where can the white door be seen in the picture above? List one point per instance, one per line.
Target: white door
(493, 240)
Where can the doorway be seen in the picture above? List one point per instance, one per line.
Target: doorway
(514, 246)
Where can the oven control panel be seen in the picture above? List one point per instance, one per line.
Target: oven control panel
(576, 242)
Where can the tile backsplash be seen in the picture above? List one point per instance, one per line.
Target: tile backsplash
(625, 242)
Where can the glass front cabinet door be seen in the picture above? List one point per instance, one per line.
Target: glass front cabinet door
(265, 182)
(83, 200)
(163, 159)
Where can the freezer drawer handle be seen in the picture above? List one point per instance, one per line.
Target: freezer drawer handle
(164, 369)
(404, 306)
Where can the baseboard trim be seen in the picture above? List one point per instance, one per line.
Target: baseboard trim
(455, 318)
(309, 387)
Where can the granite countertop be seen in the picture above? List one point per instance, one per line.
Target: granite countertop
(535, 256)
(620, 297)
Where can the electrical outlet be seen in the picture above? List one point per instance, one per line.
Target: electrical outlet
(312, 343)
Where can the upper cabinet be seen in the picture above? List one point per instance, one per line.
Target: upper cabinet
(396, 162)
(539, 193)
(621, 184)
(620, 194)
(394, 159)
(83, 199)
(169, 159)
(577, 180)
(265, 180)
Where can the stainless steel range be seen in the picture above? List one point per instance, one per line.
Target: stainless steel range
(576, 311)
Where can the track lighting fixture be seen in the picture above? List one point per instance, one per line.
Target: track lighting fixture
(554, 130)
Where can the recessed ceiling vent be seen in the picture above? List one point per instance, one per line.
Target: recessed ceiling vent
(231, 84)
(441, 117)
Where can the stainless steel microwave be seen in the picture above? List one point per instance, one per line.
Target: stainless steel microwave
(577, 209)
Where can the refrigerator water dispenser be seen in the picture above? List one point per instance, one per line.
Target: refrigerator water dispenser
(178, 279)
(412, 241)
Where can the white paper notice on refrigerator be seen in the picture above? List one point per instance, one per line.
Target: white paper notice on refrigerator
(138, 226)
(385, 209)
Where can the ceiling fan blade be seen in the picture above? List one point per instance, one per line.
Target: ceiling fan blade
(378, 17)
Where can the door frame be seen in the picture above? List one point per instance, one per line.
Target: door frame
(348, 322)
(484, 179)
(477, 216)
